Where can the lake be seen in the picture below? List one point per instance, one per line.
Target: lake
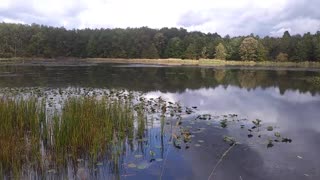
(218, 104)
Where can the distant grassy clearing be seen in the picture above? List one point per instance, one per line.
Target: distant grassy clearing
(171, 61)
(207, 62)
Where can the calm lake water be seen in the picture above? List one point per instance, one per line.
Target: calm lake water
(288, 100)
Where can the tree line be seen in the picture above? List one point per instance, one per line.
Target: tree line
(20, 40)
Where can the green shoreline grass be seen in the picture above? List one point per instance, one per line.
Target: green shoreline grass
(207, 62)
(170, 62)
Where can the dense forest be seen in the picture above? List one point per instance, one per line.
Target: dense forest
(19, 40)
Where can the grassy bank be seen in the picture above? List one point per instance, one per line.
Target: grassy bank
(207, 62)
(170, 62)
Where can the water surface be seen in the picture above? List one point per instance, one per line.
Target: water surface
(286, 99)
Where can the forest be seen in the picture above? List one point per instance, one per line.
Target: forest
(21, 40)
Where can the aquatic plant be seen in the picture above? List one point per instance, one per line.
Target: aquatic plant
(23, 123)
(88, 124)
(224, 123)
(101, 127)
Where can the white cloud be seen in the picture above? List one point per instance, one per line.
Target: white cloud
(268, 104)
(234, 17)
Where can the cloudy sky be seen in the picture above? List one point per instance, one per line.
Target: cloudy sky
(233, 17)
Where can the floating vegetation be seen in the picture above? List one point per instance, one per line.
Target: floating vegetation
(286, 140)
(132, 165)
(270, 128)
(49, 130)
(159, 159)
(152, 153)
(138, 156)
(143, 165)
(204, 117)
(277, 134)
(257, 123)
(230, 140)
(223, 123)
(270, 143)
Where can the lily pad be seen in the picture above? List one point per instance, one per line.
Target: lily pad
(223, 123)
(159, 159)
(270, 144)
(132, 165)
(52, 171)
(79, 160)
(152, 153)
(270, 128)
(229, 139)
(277, 134)
(197, 145)
(286, 140)
(142, 165)
(138, 156)
(201, 141)
(99, 164)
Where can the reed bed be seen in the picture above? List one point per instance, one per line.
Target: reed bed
(88, 125)
(21, 129)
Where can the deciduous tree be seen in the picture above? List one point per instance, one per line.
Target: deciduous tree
(220, 52)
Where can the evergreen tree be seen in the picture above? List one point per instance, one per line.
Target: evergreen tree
(150, 52)
(191, 52)
(19, 40)
(174, 48)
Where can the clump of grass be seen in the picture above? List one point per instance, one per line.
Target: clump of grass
(21, 128)
(88, 124)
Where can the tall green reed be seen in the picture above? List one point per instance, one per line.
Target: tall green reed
(88, 124)
(22, 122)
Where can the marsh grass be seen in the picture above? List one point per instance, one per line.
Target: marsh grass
(89, 127)
(21, 128)
(88, 124)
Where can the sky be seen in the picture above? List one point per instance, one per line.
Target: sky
(232, 17)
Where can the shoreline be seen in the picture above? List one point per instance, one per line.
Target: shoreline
(207, 62)
(169, 62)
